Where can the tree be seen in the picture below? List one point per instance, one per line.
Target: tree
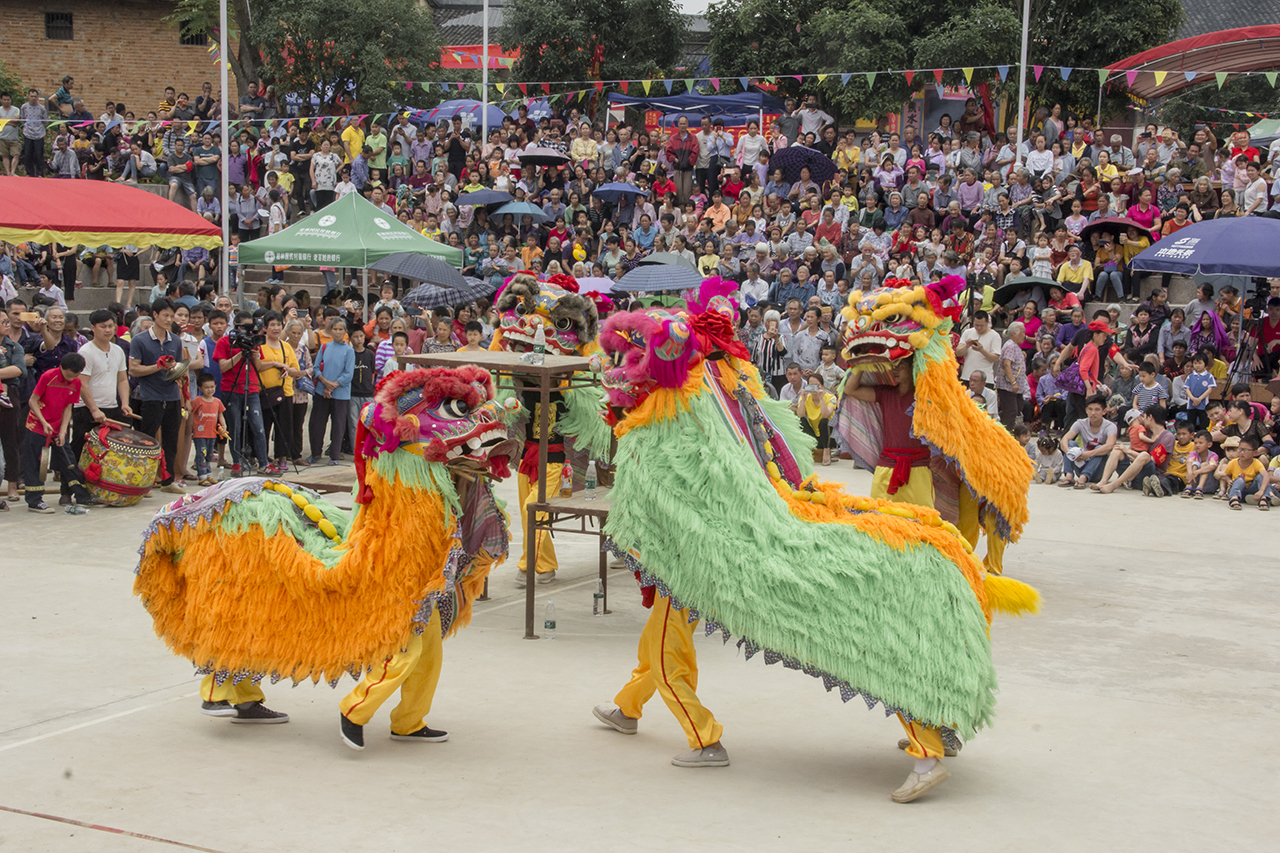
(202, 16)
(781, 37)
(10, 82)
(592, 39)
(1185, 109)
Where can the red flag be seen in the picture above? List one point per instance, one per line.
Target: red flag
(524, 89)
(546, 88)
(599, 86)
(909, 74)
(623, 84)
(937, 75)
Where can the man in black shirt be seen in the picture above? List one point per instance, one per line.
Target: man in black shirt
(300, 150)
(363, 380)
(456, 146)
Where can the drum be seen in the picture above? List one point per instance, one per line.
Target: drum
(119, 465)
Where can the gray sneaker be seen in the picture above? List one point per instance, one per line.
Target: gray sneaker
(547, 577)
(1151, 487)
(709, 756)
(612, 717)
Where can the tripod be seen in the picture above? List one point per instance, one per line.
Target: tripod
(249, 362)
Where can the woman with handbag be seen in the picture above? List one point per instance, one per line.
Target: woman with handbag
(279, 367)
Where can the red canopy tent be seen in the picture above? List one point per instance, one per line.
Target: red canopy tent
(1243, 49)
(97, 213)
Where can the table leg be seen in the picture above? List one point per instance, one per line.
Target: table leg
(604, 571)
(531, 575)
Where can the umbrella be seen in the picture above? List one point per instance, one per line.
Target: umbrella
(651, 278)
(1243, 245)
(483, 197)
(1113, 225)
(523, 208)
(1012, 286)
(595, 284)
(434, 296)
(792, 158)
(469, 111)
(542, 156)
(670, 258)
(421, 268)
(610, 193)
(538, 110)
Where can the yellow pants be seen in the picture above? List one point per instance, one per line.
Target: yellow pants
(416, 671)
(668, 663)
(236, 694)
(918, 490)
(528, 496)
(926, 741)
(969, 526)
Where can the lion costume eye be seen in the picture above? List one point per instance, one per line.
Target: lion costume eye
(564, 324)
(520, 309)
(455, 409)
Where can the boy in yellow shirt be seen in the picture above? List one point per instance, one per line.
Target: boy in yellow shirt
(1248, 476)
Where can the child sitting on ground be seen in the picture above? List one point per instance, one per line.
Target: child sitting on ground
(1230, 450)
(1248, 476)
(1202, 466)
(1175, 477)
(1047, 456)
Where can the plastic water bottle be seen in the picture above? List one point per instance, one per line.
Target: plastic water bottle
(566, 481)
(549, 621)
(589, 483)
(76, 509)
(597, 599)
(539, 345)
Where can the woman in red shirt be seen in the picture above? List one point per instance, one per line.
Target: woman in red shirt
(828, 229)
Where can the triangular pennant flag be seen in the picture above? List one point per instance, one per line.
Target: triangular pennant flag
(647, 84)
(460, 86)
(408, 84)
(844, 79)
(937, 76)
(502, 88)
(1103, 74)
(1131, 76)
(546, 88)
(668, 83)
(968, 75)
(1065, 72)
(1190, 75)
(909, 75)
(302, 123)
(524, 89)
(799, 77)
(744, 82)
(191, 125)
(715, 82)
(623, 86)
(1003, 71)
(871, 79)
(4, 121)
(1038, 70)
(941, 90)
(822, 78)
(1271, 78)
(599, 86)
(688, 85)
(1160, 75)
(1222, 77)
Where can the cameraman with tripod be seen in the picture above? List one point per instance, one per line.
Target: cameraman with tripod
(279, 365)
(240, 386)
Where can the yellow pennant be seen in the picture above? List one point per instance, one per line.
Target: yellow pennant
(968, 75)
(822, 77)
(1160, 75)
(501, 87)
(646, 84)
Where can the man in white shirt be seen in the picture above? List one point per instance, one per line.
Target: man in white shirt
(10, 144)
(979, 391)
(104, 388)
(812, 119)
(754, 289)
(979, 348)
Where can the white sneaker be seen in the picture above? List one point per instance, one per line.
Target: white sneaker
(547, 577)
(709, 756)
(174, 488)
(522, 579)
(918, 784)
(613, 717)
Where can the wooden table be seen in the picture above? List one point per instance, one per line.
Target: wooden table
(554, 367)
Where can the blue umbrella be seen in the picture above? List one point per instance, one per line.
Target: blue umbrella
(1243, 245)
(610, 193)
(468, 110)
(434, 296)
(653, 278)
(538, 110)
(522, 208)
(482, 197)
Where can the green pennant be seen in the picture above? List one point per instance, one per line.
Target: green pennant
(871, 79)
(1103, 74)
(1222, 77)
(1271, 78)
(688, 84)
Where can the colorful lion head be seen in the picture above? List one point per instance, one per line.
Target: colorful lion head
(898, 321)
(569, 321)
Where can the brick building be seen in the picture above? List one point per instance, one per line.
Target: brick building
(118, 50)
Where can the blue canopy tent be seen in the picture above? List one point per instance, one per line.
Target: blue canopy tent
(693, 102)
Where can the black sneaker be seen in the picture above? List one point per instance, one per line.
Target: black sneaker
(217, 709)
(352, 735)
(64, 500)
(256, 712)
(425, 734)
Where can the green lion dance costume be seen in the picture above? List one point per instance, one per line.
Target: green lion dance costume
(570, 323)
(255, 578)
(716, 508)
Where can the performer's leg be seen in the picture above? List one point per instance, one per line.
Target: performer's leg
(234, 694)
(925, 741)
(631, 698)
(918, 490)
(528, 495)
(419, 688)
(381, 682)
(676, 674)
(928, 773)
(971, 522)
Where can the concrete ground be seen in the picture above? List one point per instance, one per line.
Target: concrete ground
(1137, 712)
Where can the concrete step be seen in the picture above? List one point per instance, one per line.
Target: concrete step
(1182, 289)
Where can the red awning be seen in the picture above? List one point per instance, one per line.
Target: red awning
(97, 213)
(1241, 49)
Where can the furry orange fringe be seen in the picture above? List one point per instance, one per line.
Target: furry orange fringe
(991, 460)
(900, 533)
(263, 604)
(662, 404)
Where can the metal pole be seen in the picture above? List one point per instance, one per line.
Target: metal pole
(224, 270)
(484, 82)
(1022, 82)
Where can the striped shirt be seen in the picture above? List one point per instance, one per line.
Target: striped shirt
(1144, 397)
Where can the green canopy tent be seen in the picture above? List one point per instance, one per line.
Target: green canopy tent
(351, 232)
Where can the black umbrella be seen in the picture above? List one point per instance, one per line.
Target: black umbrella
(481, 197)
(791, 159)
(418, 267)
(435, 296)
(652, 278)
(1013, 286)
(669, 258)
(540, 156)
(1113, 225)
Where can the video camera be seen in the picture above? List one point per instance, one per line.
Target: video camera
(247, 335)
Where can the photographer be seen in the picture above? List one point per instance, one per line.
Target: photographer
(813, 405)
(279, 367)
(239, 387)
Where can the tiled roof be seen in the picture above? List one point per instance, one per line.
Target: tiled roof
(1210, 16)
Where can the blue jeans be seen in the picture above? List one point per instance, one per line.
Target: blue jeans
(257, 434)
(131, 170)
(1240, 490)
(1112, 277)
(1148, 469)
(1088, 471)
(206, 451)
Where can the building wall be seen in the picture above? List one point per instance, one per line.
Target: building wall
(122, 50)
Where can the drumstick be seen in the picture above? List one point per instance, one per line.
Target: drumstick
(117, 423)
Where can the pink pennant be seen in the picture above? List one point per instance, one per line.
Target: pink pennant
(1038, 69)
(1131, 76)
(715, 81)
(408, 84)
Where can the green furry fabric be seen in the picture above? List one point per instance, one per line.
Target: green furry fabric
(900, 626)
(800, 442)
(272, 511)
(583, 422)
